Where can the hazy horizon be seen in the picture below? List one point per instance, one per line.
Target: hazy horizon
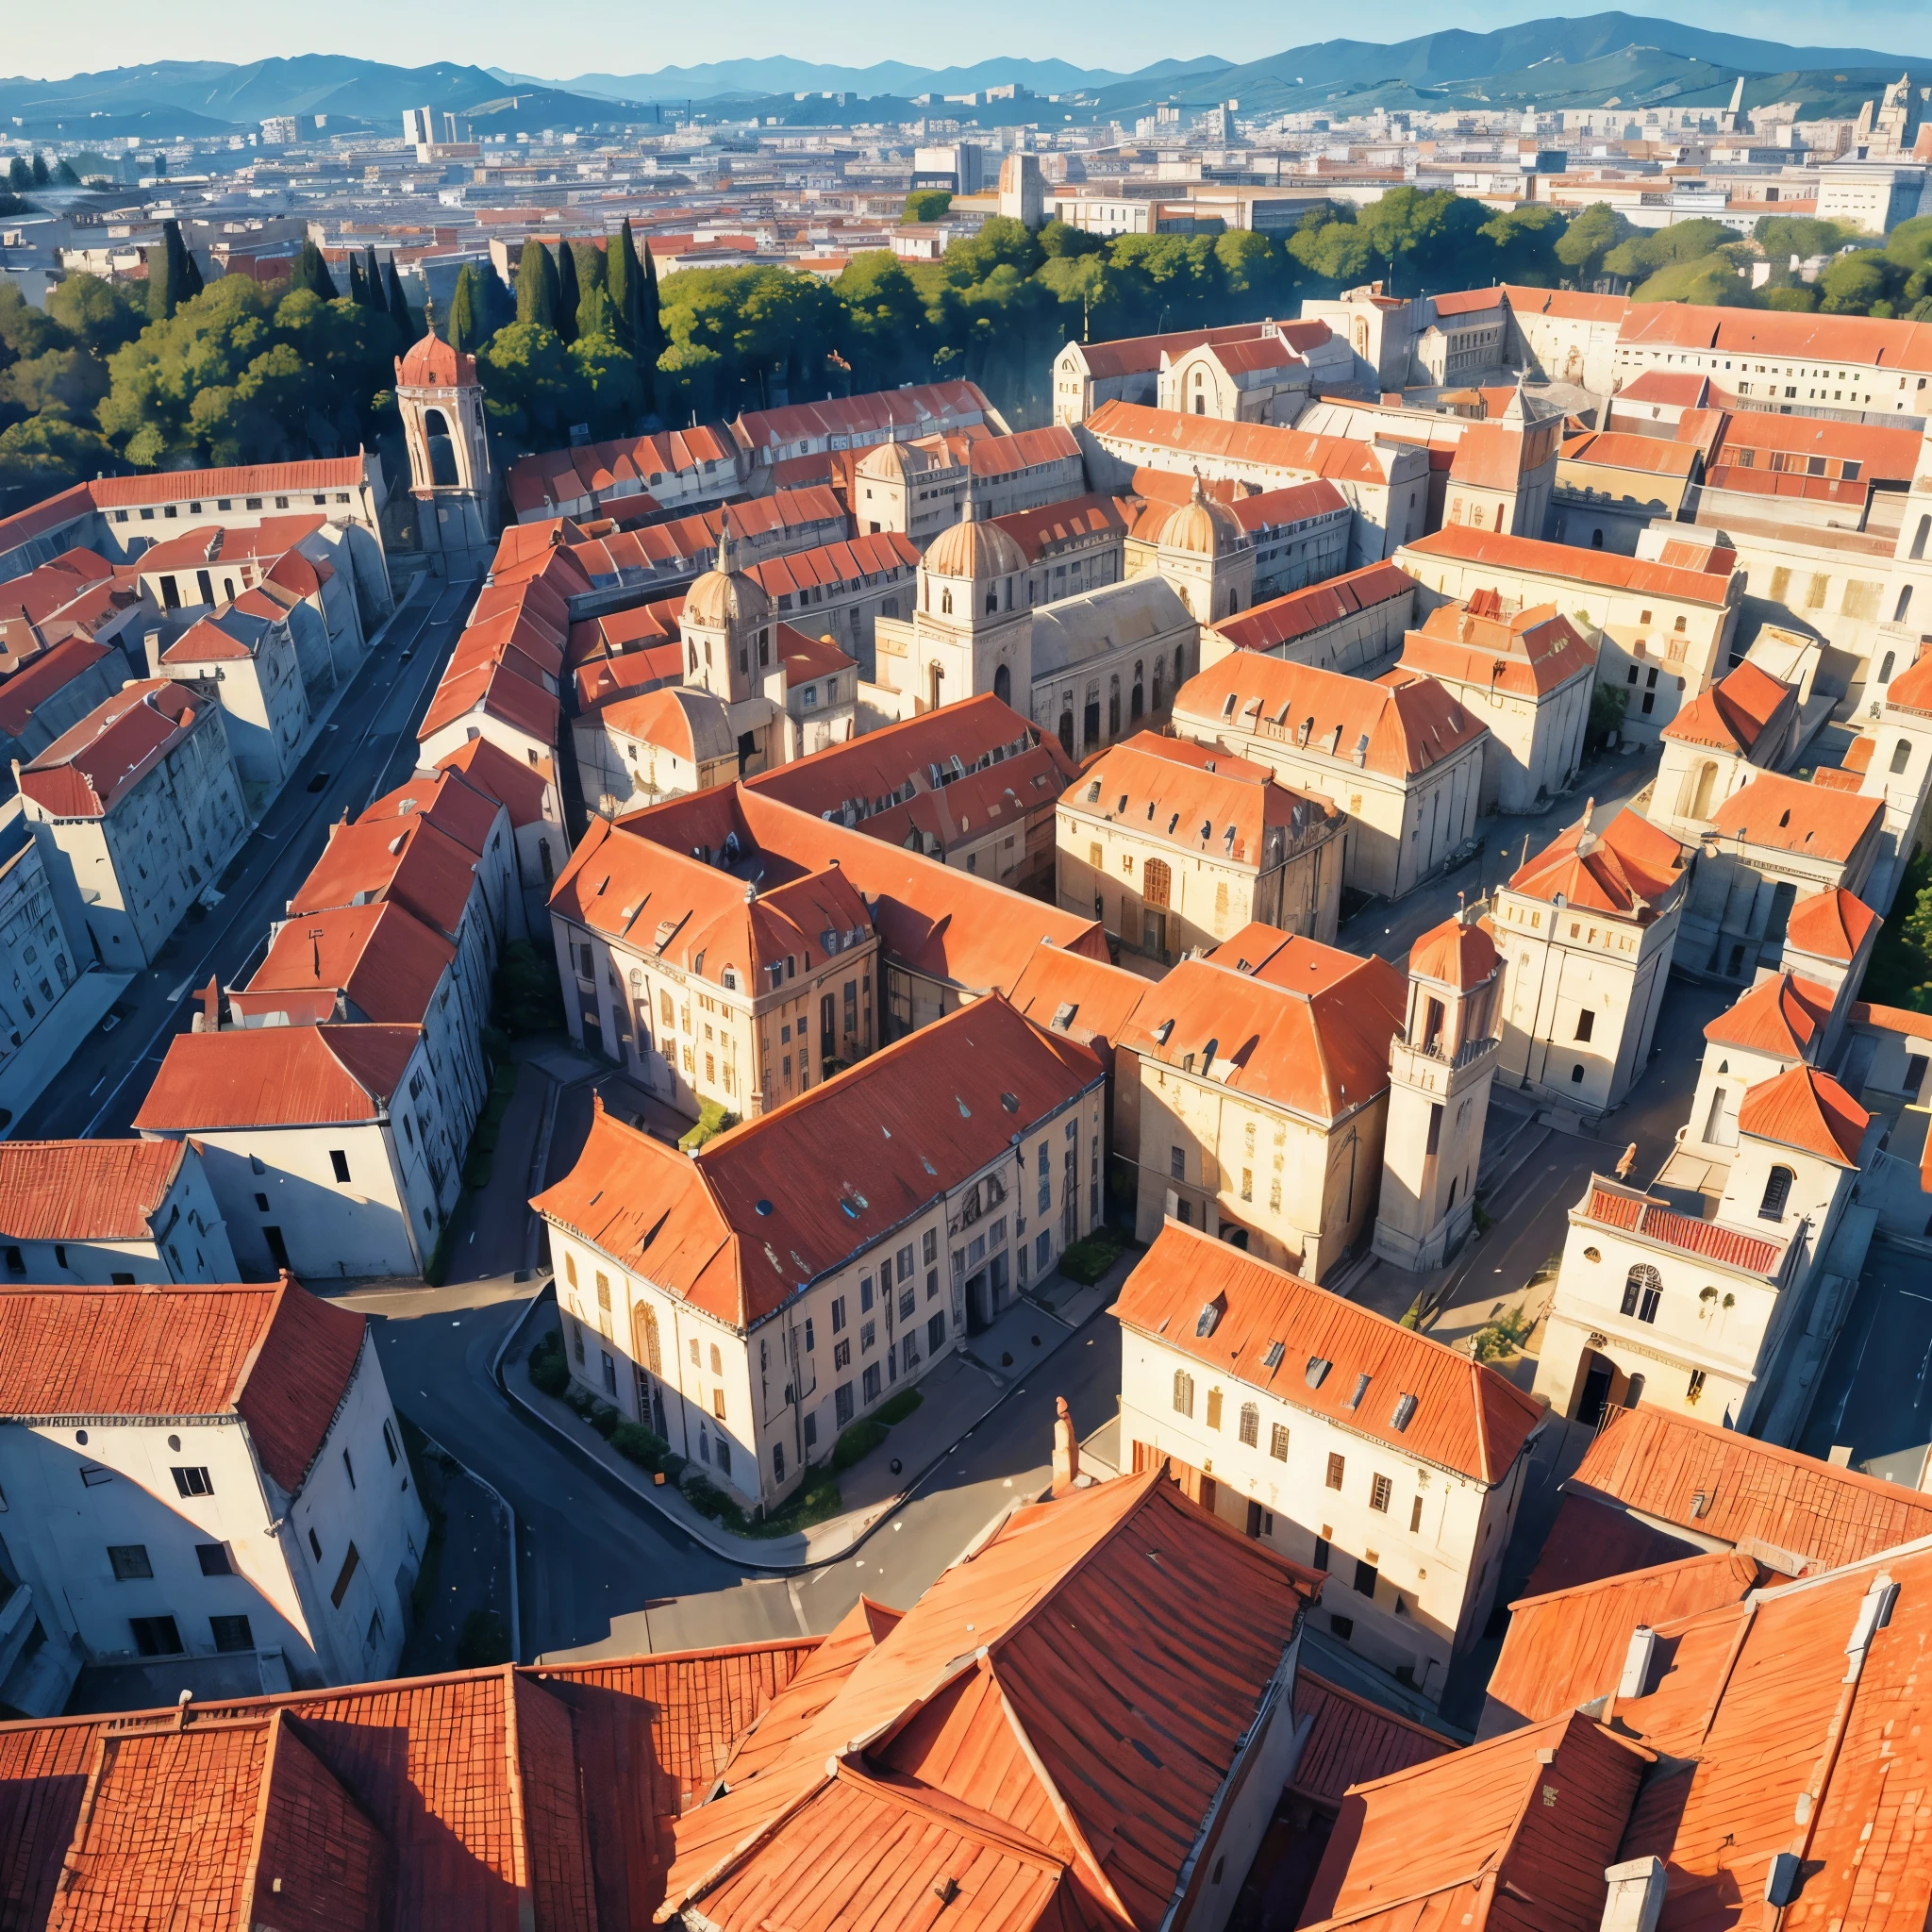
(613, 37)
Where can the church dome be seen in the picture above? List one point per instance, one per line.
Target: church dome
(725, 597)
(431, 364)
(975, 549)
(1202, 527)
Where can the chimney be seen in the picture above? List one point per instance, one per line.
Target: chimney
(1636, 1895)
(1066, 1450)
(211, 1004)
(1634, 1682)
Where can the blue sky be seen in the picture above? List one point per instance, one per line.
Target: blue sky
(638, 36)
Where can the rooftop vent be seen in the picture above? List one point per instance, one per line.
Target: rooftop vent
(1361, 1389)
(1210, 1317)
(763, 1206)
(1317, 1372)
(1011, 1102)
(1272, 1359)
(1405, 1413)
(1634, 1682)
(1063, 1016)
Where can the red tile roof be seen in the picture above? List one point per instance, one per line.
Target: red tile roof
(1395, 729)
(1626, 869)
(85, 772)
(1565, 564)
(33, 684)
(1076, 1730)
(1351, 1742)
(1892, 1020)
(1532, 653)
(1140, 355)
(1863, 340)
(1619, 450)
(1513, 1833)
(1781, 1016)
(760, 1212)
(1467, 1417)
(1678, 389)
(860, 560)
(1053, 524)
(1456, 953)
(497, 689)
(1755, 1495)
(207, 543)
(564, 476)
(807, 657)
(408, 859)
(1566, 1648)
(1785, 814)
(276, 1355)
(1319, 1049)
(1910, 691)
(84, 1190)
(870, 417)
(1803, 1108)
(1026, 449)
(519, 788)
(385, 964)
(1735, 712)
(1830, 925)
(276, 1076)
(1098, 999)
(1281, 620)
(252, 479)
(1143, 429)
(1610, 1206)
(1299, 503)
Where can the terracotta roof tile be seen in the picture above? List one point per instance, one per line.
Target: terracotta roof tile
(1566, 563)
(404, 858)
(1352, 1742)
(1830, 925)
(1804, 1109)
(1455, 954)
(1781, 1016)
(84, 1190)
(1140, 355)
(253, 480)
(519, 788)
(1331, 457)
(1626, 869)
(1281, 620)
(1657, 1221)
(1035, 530)
(1467, 1417)
(386, 963)
(1618, 450)
(1755, 1495)
(88, 770)
(1735, 712)
(1787, 815)
(276, 1355)
(1534, 652)
(277, 1076)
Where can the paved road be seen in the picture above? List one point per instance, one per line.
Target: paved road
(590, 1553)
(1876, 1392)
(1613, 782)
(368, 746)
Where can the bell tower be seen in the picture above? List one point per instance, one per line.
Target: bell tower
(450, 473)
(1440, 1066)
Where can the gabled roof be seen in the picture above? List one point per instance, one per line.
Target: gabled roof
(1337, 1360)
(275, 1356)
(1140, 355)
(1074, 1731)
(1735, 712)
(519, 788)
(45, 677)
(386, 963)
(1514, 1833)
(1320, 1050)
(1278, 510)
(1087, 999)
(1830, 925)
(1619, 450)
(1333, 456)
(1785, 814)
(277, 1076)
(1781, 1016)
(1568, 1647)
(1036, 531)
(1566, 563)
(404, 858)
(248, 479)
(1397, 730)
(1718, 1487)
(1281, 620)
(1351, 1740)
(763, 1210)
(84, 1190)
(1865, 339)
(86, 770)
(1804, 1109)
(1626, 869)
(499, 689)
(1532, 653)
(444, 799)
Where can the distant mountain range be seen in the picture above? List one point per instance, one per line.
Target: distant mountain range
(1606, 58)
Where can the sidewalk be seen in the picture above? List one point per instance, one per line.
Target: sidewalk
(958, 1395)
(43, 1058)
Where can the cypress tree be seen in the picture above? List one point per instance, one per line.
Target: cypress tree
(165, 274)
(64, 175)
(41, 174)
(626, 278)
(372, 279)
(650, 323)
(190, 271)
(465, 325)
(568, 294)
(399, 305)
(18, 173)
(357, 294)
(537, 285)
(310, 272)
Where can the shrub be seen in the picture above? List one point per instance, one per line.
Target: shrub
(713, 1118)
(581, 1400)
(897, 1407)
(549, 1371)
(1087, 1259)
(1505, 1336)
(483, 1640)
(605, 1418)
(861, 1438)
(639, 1444)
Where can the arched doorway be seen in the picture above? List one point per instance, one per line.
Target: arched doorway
(1066, 730)
(442, 449)
(1003, 685)
(1707, 783)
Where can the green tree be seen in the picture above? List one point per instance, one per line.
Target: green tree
(1590, 236)
(530, 382)
(64, 176)
(18, 173)
(373, 293)
(1856, 284)
(607, 379)
(48, 452)
(623, 282)
(651, 335)
(465, 325)
(1001, 242)
(687, 380)
(398, 306)
(69, 382)
(97, 314)
(25, 330)
(1645, 253)
(569, 293)
(1058, 239)
(1708, 280)
(165, 277)
(310, 273)
(536, 287)
(358, 295)
(1800, 299)
(1525, 241)
(1782, 236)
(885, 332)
(925, 204)
(40, 175)
(1337, 251)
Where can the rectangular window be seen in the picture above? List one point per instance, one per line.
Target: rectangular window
(718, 1404)
(1177, 1163)
(1277, 1442)
(1321, 1556)
(1380, 1490)
(839, 1315)
(156, 1636)
(213, 1558)
(603, 1289)
(231, 1632)
(1335, 1468)
(936, 1334)
(864, 1294)
(867, 1337)
(339, 1161)
(842, 1355)
(931, 1250)
(1215, 1408)
(872, 1382)
(841, 1403)
(193, 1482)
(130, 1561)
(348, 1469)
(344, 1577)
(1415, 1516)
(1365, 1580)
(1586, 1024)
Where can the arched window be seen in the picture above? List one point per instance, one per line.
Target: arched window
(1003, 684)
(1137, 702)
(1777, 1191)
(1113, 708)
(1707, 783)
(1901, 755)
(1597, 540)
(1885, 667)
(1919, 536)
(1905, 604)
(945, 603)
(441, 448)
(1643, 1288)
(1183, 1392)
(1066, 731)
(1251, 1425)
